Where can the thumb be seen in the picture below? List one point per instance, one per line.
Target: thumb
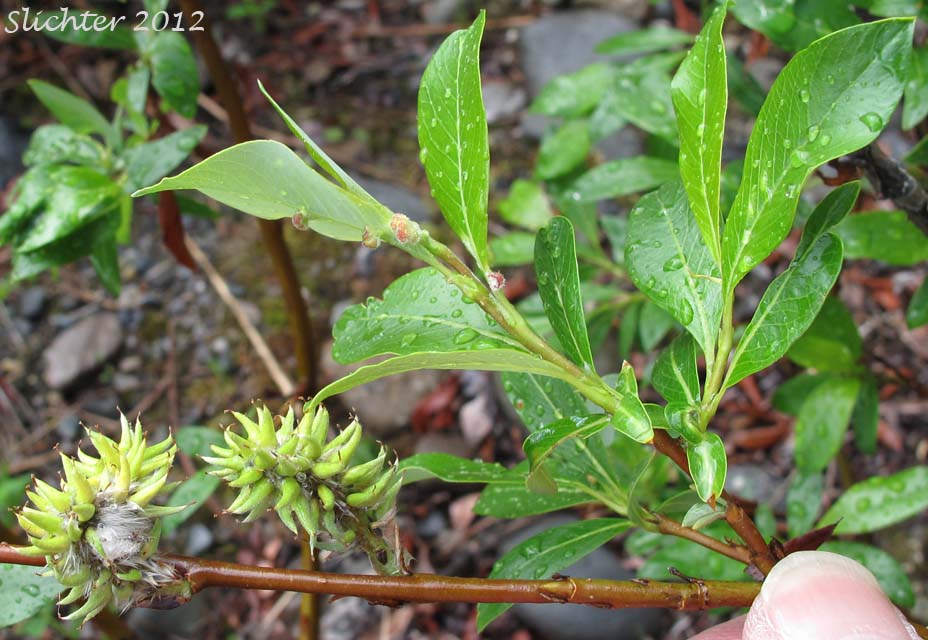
(816, 594)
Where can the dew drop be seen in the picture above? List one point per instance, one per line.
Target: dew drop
(863, 504)
(873, 121)
(434, 122)
(799, 158)
(414, 295)
(650, 282)
(540, 411)
(407, 339)
(701, 98)
(830, 79)
(686, 311)
(423, 154)
(813, 133)
(433, 300)
(464, 336)
(701, 130)
(657, 244)
(447, 92)
(457, 313)
(804, 95)
(674, 264)
(825, 139)
(787, 143)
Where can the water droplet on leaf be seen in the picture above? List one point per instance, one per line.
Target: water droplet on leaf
(873, 121)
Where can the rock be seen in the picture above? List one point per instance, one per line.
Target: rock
(476, 418)
(438, 11)
(561, 43)
(433, 525)
(502, 100)
(556, 622)
(386, 405)
(32, 302)
(438, 442)
(751, 482)
(68, 427)
(400, 199)
(81, 349)
(199, 539)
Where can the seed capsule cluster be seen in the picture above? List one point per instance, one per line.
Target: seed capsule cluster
(309, 481)
(99, 532)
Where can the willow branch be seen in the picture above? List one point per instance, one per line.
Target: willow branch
(614, 594)
(734, 551)
(891, 179)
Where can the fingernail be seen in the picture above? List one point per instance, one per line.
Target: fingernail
(816, 594)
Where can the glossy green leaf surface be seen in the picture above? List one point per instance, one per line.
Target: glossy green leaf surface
(315, 151)
(453, 137)
(105, 260)
(916, 314)
(559, 285)
(484, 360)
(822, 422)
(153, 160)
(511, 498)
(700, 99)
(449, 468)
(192, 492)
(832, 98)
(630, 417)
(265, 179)
(643, 98)
(787, 308)
(545, 554)
(420, 311)
(23, 592)
(195, 441)
(708, 466)
(78, 196)
(833, 208)
(866, 415)
(174, 72)
(654, 323)
(541, 400)
(674, 375)
(804, 502)
(563, 150)
(58, 144)
(887, 571)
(793, 24)
(879, 502)
(542, 443)
(622, 177)
(831, 343)
(73, 112)
(526, 205)
(691, 559)
(790, 395)
(887, 236)
(668, 260)
(78, 244)
(644, 41)
(575, 94)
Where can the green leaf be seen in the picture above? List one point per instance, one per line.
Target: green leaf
(68, 249)
(449, 468)
(883, 235)
(265, 179)
(832, 98)
(786, 310)
(12, 490)
(105, 260)
(559, 285)
(622, 177)
(915, 107)
(823, 421)
(700, 98)
(791, 395)
(692, 559)
(453, 137)
(879, 502)
(546, 553)
(804, 502)
(512, 249)
(316, 152)
(887, 571)
(509, 497)
(654, 323)
(668, 260)
(644, 41)
(831, 343)
(78, 196)
(75, 113)
(866, 415)
(744, 88)
(833, 208)
(675, 376)
(643, 98)
(708, 466)
(421, 311)
(526, 205)
(563, 150)
(794, 24)
(195, 440)
(112, 35)
(485, 360)
(541, 400)
(137, 89)
(630, 417)
(23, 592)
(192, 492)
(151, 161)
(58, 144)
(575, 94)
(543, 442)
(174, 72)
(916, 314)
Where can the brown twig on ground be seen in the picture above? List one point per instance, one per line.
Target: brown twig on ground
(891, 179)
(696, 595)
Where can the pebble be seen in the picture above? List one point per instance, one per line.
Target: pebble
(81, 349)
(32, 302)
